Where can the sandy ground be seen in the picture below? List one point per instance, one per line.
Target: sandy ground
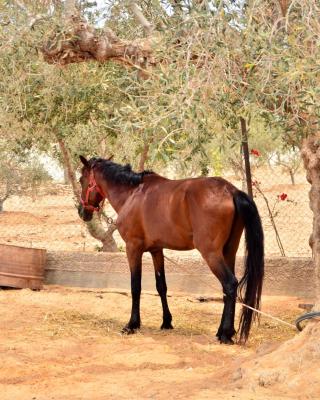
(63, 343)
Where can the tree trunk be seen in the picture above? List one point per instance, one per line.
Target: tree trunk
(291, 172)
(69, 168)
(143, 157)
(94, 226)
(310, 152)
(4, 198)
(294, 365)
(66, 179)
(97, 230)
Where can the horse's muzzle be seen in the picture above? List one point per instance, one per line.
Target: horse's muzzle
(84, 214)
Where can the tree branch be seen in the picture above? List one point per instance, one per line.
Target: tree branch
(33, 18)
(142, 20)
(70, 8)
(284, 5)
(143, 157)
(86, 43)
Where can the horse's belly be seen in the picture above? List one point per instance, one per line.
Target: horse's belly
(170, 246)
(170, 240)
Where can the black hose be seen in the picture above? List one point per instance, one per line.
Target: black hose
(303, 317)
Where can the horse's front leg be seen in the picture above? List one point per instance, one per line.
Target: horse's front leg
(134, 255)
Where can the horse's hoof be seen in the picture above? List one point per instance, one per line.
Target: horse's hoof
(127, 330)
(225, 340)
(166, 325)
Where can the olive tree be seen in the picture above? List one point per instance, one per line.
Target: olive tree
(20, 174)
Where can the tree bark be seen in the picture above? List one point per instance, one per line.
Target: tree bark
(69, 168)
(95, 226)
(66, 179)
(310, 153)
(86, 43)
(96, 230)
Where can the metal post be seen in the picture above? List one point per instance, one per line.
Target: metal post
(245, 151)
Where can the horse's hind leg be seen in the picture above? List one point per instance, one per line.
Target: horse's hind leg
(230, 265)
(229, 284)
(229, 253)
(158, 262)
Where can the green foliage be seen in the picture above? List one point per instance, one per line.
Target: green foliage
(213, 66)
(20, 174)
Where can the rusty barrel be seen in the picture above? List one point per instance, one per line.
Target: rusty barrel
(22, 267)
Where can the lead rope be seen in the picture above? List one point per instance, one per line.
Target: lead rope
(268, 315)
(239, 302)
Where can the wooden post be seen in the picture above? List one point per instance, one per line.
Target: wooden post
(245, 150)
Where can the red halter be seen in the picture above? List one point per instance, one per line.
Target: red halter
(92, 186)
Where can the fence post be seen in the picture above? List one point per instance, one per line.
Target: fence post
(245, 151)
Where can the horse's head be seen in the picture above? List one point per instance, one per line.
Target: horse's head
(91, 193)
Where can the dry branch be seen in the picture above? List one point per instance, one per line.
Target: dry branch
(85, 43)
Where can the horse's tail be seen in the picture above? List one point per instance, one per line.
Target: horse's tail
(250, 286)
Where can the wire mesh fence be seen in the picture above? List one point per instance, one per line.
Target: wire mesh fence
(284, 209)
(50, 219)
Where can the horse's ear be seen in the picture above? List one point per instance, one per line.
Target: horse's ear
(84, 161)
(110, 158)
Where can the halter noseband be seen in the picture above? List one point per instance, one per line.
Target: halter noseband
(92, 186)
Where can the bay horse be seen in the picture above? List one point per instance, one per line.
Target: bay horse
(206, 213)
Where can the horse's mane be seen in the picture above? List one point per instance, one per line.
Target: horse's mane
(117, 173)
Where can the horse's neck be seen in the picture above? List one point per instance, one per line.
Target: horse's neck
(117, 195)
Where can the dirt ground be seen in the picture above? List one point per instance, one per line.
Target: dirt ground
(63, 343)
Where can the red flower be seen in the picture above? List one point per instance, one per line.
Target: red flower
(282, 196)
(255, 152)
